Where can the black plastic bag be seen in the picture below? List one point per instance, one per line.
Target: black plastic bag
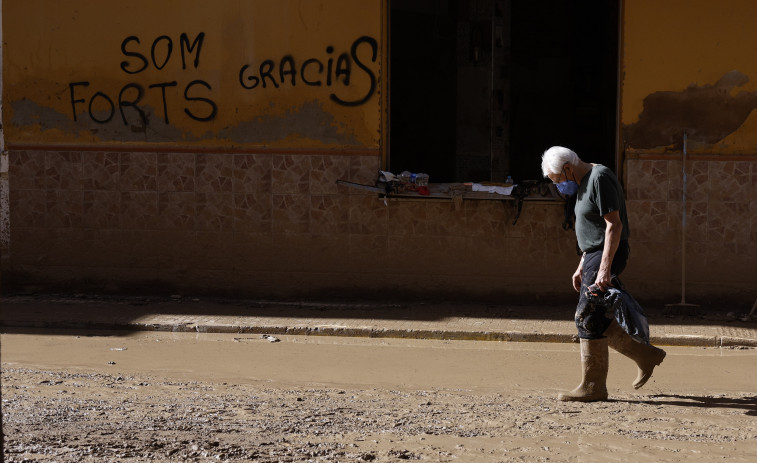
(628, 313)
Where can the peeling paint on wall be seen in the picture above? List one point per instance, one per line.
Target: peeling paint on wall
(310, 121)
(708, 113)
(28, 113)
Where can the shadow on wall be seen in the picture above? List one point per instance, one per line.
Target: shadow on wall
(100, 313)
(709, 113)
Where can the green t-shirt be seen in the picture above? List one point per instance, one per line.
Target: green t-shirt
(598, 194)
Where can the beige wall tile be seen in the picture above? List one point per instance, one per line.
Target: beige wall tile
(252, 173)
(176, 210)
(368, 215)
(64, 208)
(101, 209)
(100, 171)
(214, 173)
(290, 175)
(63, 170)
(729, 181)
(329, 215)
(407, 218)
(176, 172)
(139, 210)
(442, 219)
(290, 213)
(325, 171)
(697, 181)
(26, 170)
(214, 212)
(364, 169)
(138, 172)
(27, 208)
(728, 222)
(253, 213)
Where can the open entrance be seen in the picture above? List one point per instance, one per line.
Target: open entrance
(480, 88)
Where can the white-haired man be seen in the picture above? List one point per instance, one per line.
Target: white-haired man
(602, 232)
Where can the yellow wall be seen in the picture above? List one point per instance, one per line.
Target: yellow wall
(50, 45)
(690, 65)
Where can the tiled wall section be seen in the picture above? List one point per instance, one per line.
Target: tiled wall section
(265, 225)
(721, 227)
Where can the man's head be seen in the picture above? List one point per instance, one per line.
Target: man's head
(554, 160)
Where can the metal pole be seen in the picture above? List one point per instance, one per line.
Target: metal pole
(683, 230)
(683, 226)
(4, 208)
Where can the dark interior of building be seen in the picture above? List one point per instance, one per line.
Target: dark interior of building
(480, 88)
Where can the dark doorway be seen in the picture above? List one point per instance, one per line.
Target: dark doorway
(480, 88)
(423, 79)
(563, 77)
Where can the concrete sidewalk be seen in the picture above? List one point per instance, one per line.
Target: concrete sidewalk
(438, 320)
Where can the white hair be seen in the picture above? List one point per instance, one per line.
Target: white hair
(553, 160)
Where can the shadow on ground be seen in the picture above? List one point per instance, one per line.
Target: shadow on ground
(739, 403)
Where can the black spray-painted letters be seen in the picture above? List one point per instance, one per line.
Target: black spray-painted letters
(194, 96)
(314, 72)
(101, 107)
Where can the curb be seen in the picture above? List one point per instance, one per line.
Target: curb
(685, 340)
(369, 332)
(730, 341)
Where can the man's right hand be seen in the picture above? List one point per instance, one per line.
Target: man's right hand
(577, 278)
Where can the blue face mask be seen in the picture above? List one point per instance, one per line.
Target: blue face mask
(568, 188)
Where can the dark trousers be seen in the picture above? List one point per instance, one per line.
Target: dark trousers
(591, 319)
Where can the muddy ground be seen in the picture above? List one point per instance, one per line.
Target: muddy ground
(182, 397)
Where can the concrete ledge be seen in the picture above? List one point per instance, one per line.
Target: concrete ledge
(683, 340)
(688, 340)
(543, 337)
(730, 341)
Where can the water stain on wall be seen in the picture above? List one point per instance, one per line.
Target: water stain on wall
(310, 121)
(708, 114)
(27, 113)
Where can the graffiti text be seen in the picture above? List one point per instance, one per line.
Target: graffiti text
(314, 72)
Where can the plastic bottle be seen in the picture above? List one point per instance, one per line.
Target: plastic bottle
(416, 179)
(509, 180)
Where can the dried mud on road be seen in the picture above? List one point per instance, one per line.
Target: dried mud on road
(85, 414)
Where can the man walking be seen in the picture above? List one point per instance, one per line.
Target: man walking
(602, 232)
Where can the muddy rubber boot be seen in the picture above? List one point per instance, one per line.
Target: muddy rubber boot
(595, 362)
(646, 356)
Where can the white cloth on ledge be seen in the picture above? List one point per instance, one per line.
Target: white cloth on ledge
(500, 190)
